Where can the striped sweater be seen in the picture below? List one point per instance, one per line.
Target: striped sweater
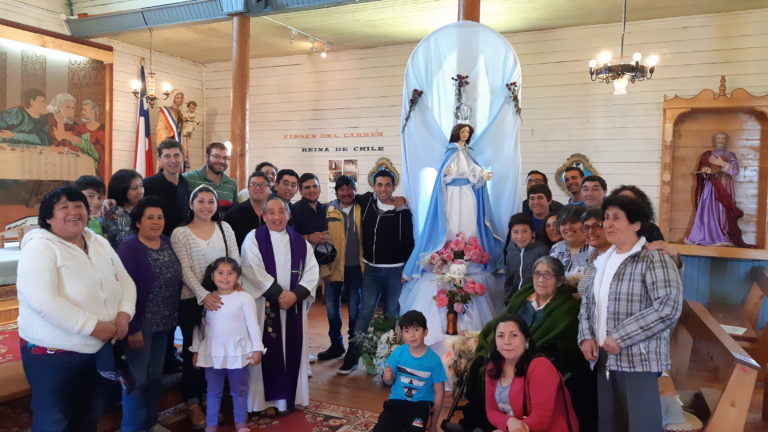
(194, 259)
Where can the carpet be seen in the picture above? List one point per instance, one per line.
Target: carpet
(10, 351)
(317, 417)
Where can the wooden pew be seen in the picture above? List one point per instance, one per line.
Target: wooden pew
(747, 314)
(754, 341)
(722, 377)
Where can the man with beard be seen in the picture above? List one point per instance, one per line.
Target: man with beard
(212, 174)
(573, 177)
(26, 124)
(91, 131)
(61, 120)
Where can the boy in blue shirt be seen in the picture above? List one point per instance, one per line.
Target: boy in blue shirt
(417, 377)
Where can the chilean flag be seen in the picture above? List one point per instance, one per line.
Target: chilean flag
(142, 162)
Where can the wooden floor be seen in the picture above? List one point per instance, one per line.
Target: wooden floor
(356, 390)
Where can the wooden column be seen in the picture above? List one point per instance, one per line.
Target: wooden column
(469, 10)
(241, 38)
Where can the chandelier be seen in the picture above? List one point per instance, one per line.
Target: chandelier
(621, 74)
(150, 92)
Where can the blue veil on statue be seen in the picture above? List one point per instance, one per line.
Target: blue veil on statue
(464, 72)
(489, 64)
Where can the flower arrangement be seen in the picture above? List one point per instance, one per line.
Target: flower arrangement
(415, 96)
(514, 96)
(460, 80)
(450, 263)
(458, 358)
(377, 343)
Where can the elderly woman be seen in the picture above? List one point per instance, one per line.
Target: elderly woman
(632, 302)
(151, 262)
(74, 297)
(523, 392)
(573, 250)
(125, 190)
(651, 231)
(197, 244)
(551, 313)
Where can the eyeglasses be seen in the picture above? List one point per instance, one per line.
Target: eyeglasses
(218, 157)
(258, 185)
(536, 181)
(543, 275)
(585, 228)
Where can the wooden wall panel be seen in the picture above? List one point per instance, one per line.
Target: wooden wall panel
(693, 136)
(563, 112)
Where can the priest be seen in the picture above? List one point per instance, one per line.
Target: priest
(281, 273)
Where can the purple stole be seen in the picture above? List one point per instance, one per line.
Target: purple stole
(280, 371)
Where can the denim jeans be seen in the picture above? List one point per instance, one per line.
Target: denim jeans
(140, 406)
(353, 281)
(377, 281)
(65, 390)
(238, 387)
(192, 378)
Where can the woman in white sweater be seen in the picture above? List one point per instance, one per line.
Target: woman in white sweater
(197, 244)
(74, 296)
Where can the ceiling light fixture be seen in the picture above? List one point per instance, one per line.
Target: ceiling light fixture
(312, 39)
(623, 73)
(149, 93)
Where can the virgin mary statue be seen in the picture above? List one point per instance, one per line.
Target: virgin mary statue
(458, 82)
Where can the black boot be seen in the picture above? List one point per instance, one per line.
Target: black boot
(334, 351)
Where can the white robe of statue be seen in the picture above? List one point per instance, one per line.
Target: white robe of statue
(460, 203)
(461, 216)
(256, 281)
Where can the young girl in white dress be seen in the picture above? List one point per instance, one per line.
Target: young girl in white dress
(226, 341)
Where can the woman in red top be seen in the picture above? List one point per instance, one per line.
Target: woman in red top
(524, 393)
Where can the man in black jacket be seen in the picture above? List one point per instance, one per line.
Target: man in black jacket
(387, 229)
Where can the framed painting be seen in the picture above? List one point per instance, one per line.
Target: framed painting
(55, 115)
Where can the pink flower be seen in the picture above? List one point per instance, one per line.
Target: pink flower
(447, 255)
(441, 299)
(474, 242)
(470, 286)
(458, 243)
(479, 289)
(458, 307)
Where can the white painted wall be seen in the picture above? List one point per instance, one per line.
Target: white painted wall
(45, 14)
(184, 75)
(563, 111)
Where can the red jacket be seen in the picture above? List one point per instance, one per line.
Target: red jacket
(546, 409)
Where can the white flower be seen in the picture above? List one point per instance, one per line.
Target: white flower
(456, 271)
